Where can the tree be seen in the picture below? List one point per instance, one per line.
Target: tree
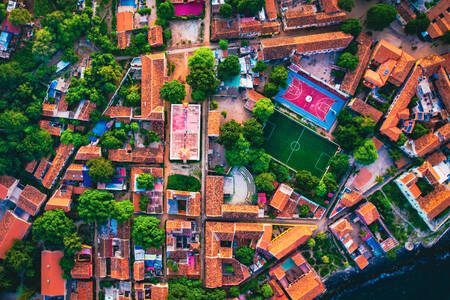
(100, 169)
(13, 121)
(2, 11)
(123, 211)
(320, 189)
(183, 183)
(306, 181)
(352, 26)
(418, 25)
(204, 57)
(325, 259)
(347, 137)
(330, 182)
(52, 226)
(264, 181)
(419, 130)
(348, 61)
(303, 210)
(321, 236)
(69, 55)
(280, 171)
(43, 46)
(145, 181)
(146, 232)
(259, 161)
(198, 95)
(339, 164)
(380, 16)
(95, 206)
(37, 143)
(366, 153)
(346, 4)
(19, 16)
(250, 8)
(260, 66)
(229, 134)
(109, 141)
(229, 67)
(234, 290)
(446, 37)
(173, 91)
(165, 10)
(270, 89)
(144, 200)
(279, 76)
(223, 44)
(20, 257)
(202, 79)
(401, 140)
(72, 244)
(263, 109)
(244, 255)
(76, 139)
(365, 125)
(266, 290)
(253, 132)
(379, 179)
(226, 11)
(238, 155)
(311, 243)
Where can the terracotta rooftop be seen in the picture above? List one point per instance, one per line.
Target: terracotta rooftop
(224, 29)
(62, 198)
(251, 27)
(269, 28)
(42, 167)
(48, 109)
(426, 143)
(271, 10)
(439, 16)
(88, 153)
(31, 199)
(86, 110)
(254, 95)
(368, 212)
(214, 195)
(443, 86)
(278, 48)
(11, 228)
(53, 130)
(62, 154)
(306, 287)
(365, 109)
(239, 211)
(6, 182)
(123, 40)
(307, 15)
(120, 268)
(52, 283)
(290, 239)
(377, 143)
(193, 201)
(214, 123)
(350, 199)
(85, 291)
(155, 36)
(124, 21)
(153, 77)
(361, 261)
(281, 197)
(139, 270)
(31, 166)
(436, 158)
(81, 270)
(118, 112)
(435, 202)
(405, 11)
(160, 291)
(330, 6)
(342, 227)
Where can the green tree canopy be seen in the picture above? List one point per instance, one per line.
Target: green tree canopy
(123, 210)
(346, 4)
(238, 155)
(339, 164)
(52, 226)
(279, 75)
(264, 181)
(348, 61)
(13, 121)
(263, 109)
(418, 25)
(95, 205)
(266, 291)
(100, 170)
(226, 11)
(280, 171)
(380, 16)
(244, 255)
(446, 39)
(165, 10)
(229, 67)
(37, 143)
(270, 89)
(223, 44)
(306, 181)
(21, 257)
(311, 243)
(183, 183)
(253, 132)
(204, 57)
(44, 45)
(366, 153)
(418, 131)
(202, 79)
(303, 210)
(72, 244)
(352, 26)
(250, 8)
(229, 134)
(146, 232)
(3, 11)
(321, 189)
(173, 91)
(145, 181)
(259, 160)
(330, 182)
(19, 16)
(260, 66)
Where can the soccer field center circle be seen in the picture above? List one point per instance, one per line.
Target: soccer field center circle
(295, 146)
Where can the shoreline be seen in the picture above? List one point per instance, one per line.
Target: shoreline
(344, 282)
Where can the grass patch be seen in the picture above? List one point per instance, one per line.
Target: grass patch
(183, 183)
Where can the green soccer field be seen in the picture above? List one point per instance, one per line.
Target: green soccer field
(297, 146)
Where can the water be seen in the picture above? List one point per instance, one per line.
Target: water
(423, 273)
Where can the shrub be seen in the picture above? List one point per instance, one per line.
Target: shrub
(183, 183)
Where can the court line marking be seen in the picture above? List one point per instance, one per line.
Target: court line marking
(273, 129)
(292, 151)
(320, 156)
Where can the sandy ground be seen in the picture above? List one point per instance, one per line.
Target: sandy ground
(181, 69)
(319, 65)
(234, 108)
(185, 30)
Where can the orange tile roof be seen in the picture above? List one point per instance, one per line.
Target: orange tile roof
(118, 112)
(31, 199)
(124, 21)
(405, 11)
(368, 212)
(435, 202)
(62, 154)
(254, 95)
(155, 36)
(307, 15)
(429, 172)
(86, 110)
(214, 195)
(251, 27)
(31, 166)
(277, 272)
(439, 16)
(306, 287)
(361, 261)
(88, 153)
(436, 158)
(160, 291)
(61, 199)
(365, 109)
(123, 40)
(239, 211)
(6, 182)
(350, 199)
(11, 228)
(42, 167)
(85, 291)
(330, 6)
(443, 86)
(139, 270)
(282, 47)
(120, 268)
(74, 172)
(224, 29)
(153, 77)
(52, 283)
(81, 270)
(213, 123)
(270, 28)
(53, 130)
(426, 143)
(408, 179)
(281, 197)
(378, 144)
(271, 10)
(290, 239)
(341, 228)
(444, 131)
(48, 109)
(415, 191)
